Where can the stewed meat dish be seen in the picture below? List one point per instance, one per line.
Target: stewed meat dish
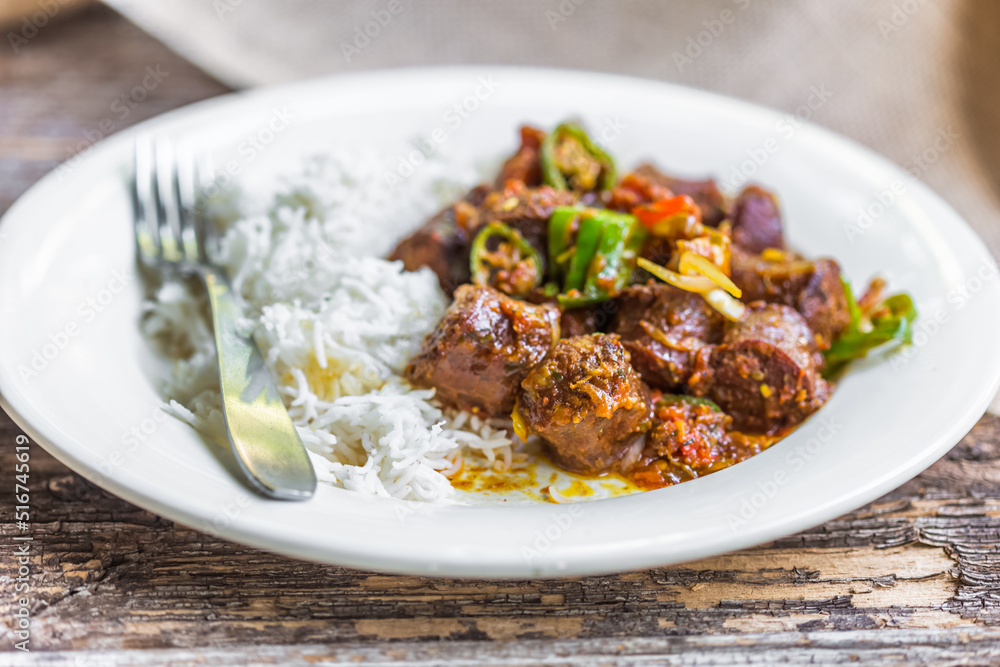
(647, 325)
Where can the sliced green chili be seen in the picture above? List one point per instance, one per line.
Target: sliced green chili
(587, 239)
(551, 172)
(599, 268)
(892, 321)
(484, 263)
(604, 269)
(672, 399)
(578, 299)
(562, 224)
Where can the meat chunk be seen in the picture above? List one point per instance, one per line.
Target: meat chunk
(688, 432)
(586, 402)
(483, 347)
(691, 437)
(706, 193)
(588, 319)
(579, 322)
(766, 372)
(688, 437)
(526, 210)
(443, 242)
(811, 287)
(663, 328)
(757, 220)
(525, 165)
(635, 190)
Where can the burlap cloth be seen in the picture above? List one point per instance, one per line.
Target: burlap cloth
(900, 74)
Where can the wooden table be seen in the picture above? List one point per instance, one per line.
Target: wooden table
(914, 576)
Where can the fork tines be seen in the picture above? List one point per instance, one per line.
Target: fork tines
(167, 228)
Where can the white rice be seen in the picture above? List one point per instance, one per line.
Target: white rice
(337, 325)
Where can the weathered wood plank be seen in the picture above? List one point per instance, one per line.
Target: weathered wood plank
(73, 82)
(869, 648)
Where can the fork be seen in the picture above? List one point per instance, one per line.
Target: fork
(170, 236)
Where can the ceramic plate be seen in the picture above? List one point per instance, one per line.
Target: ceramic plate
(77, 376)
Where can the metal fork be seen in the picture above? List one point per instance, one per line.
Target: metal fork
(170, 236)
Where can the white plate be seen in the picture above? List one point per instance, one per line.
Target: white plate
(67, 244)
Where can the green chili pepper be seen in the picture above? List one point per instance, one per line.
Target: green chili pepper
(561, 227)
(550, 169)
(853, 309)
(578, 299)
(670, 399)
(605, 267)
(598, 269)
(482, 265)
(587, 239)
(853, 343)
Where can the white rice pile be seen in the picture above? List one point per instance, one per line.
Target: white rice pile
(337, 326)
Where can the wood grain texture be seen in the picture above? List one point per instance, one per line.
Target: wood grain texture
(13, 13)
(872, 648)
(913, 576)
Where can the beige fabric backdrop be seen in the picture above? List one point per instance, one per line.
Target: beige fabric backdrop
(901, 74)
(899, 71)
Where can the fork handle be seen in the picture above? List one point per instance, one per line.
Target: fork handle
(259, 428)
